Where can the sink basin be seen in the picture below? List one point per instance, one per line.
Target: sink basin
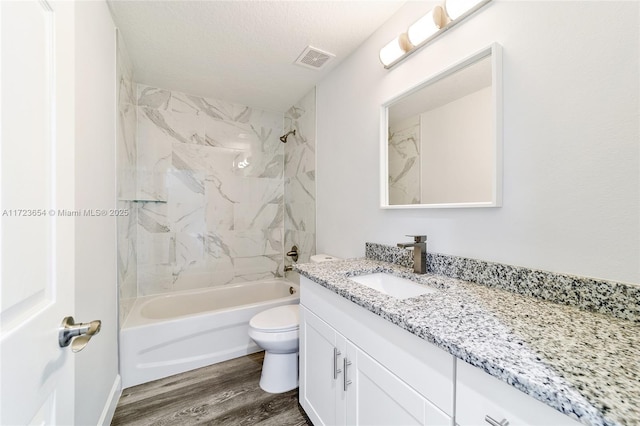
(391, 285)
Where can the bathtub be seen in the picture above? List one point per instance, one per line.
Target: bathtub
(172, 333)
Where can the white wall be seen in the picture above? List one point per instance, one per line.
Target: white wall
(571, 132)
(96, 283)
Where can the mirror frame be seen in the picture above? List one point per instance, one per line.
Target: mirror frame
(495, 52)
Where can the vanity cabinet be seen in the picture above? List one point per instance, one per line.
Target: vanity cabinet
(342, 385)
(482, 399)
(358, 369)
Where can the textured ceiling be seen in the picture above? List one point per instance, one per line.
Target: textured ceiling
(242, 51)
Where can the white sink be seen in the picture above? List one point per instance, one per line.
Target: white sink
(391, 285)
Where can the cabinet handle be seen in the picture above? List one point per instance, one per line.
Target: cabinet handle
(336, 370)
(492, 422)
(346, 381)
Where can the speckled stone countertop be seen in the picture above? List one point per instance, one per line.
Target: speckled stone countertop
(584, 364)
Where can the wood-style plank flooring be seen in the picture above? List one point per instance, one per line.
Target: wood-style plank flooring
(227, 393)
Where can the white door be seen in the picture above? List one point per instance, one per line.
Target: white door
(37, 179)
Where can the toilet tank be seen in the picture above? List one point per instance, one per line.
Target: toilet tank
(320, 258)
(294, 277)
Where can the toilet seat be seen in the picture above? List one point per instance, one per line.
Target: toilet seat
(277, 320)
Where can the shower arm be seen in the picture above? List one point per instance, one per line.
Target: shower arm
(284, 137)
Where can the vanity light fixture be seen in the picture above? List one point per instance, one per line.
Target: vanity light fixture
(430, 26)
(427, 26)
(395, 49)
(456, 9)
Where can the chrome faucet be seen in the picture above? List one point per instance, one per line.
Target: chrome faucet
(419, 245)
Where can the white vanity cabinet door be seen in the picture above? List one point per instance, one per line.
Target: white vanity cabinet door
(321, 394)
(351, 388)
(427, 369)
(479, 395)
(375, 396)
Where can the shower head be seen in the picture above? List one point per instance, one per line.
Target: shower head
(284, 137)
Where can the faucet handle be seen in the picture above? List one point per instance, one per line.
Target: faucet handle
(418, 238)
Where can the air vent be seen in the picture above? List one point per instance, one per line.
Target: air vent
(314, 58)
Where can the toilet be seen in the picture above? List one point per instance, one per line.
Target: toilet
(277, 331)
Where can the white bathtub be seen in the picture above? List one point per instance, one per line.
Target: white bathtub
(172, 333)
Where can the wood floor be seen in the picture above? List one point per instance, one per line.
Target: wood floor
(222, 394)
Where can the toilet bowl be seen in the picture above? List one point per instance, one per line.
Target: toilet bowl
(276, 330)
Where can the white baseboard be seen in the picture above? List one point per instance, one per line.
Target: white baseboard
(110, 407)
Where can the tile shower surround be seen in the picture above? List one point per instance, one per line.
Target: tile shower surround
(126, 183)
(213, 174)
(211, 184)
(613, 298)
(300, 178)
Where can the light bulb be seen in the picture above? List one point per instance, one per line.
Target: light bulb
(426, 26)
(457, 8)
(395, 49)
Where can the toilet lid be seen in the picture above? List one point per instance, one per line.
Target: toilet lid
(282, 318)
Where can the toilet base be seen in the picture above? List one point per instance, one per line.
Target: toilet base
(279, 372)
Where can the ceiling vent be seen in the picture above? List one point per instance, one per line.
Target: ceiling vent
(314, 58)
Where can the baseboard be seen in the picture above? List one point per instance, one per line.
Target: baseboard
(110, 407)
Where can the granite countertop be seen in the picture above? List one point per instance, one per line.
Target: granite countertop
(584, 364)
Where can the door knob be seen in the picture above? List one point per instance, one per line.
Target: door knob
(78, 335)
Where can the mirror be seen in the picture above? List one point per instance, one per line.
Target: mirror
(441, 141)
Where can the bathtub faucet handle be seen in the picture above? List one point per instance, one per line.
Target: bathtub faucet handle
(293, 253)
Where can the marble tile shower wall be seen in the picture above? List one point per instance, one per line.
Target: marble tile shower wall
(212, 173)
(404, 162)
(300, 178)
(126, 180)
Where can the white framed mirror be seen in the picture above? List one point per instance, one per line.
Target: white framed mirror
(441, 140)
